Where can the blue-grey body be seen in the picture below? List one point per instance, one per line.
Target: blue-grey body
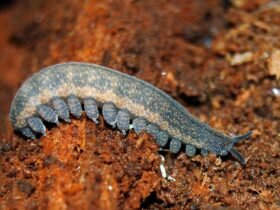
(123, 120)
(47, 114)
(139, 124)
(91, 109)
(61, 108)
(166, 118)
(175, 145)
(74, 106)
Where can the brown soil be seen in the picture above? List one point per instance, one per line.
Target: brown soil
(220, 60)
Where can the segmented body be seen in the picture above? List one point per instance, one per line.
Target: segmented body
(58, 90)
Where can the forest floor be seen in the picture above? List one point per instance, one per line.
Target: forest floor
(221, 61)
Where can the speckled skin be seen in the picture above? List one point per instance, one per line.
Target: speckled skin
(127, 92)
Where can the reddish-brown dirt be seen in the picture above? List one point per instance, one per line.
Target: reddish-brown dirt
(219, 59)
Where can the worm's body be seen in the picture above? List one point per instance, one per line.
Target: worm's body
(62, 87)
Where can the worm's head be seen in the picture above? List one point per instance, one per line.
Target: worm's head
(234, 152)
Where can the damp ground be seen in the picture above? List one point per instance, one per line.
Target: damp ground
(220, 60)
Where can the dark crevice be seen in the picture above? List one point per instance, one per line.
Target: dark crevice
(151, 199)
(193, 100)
(6, 3)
